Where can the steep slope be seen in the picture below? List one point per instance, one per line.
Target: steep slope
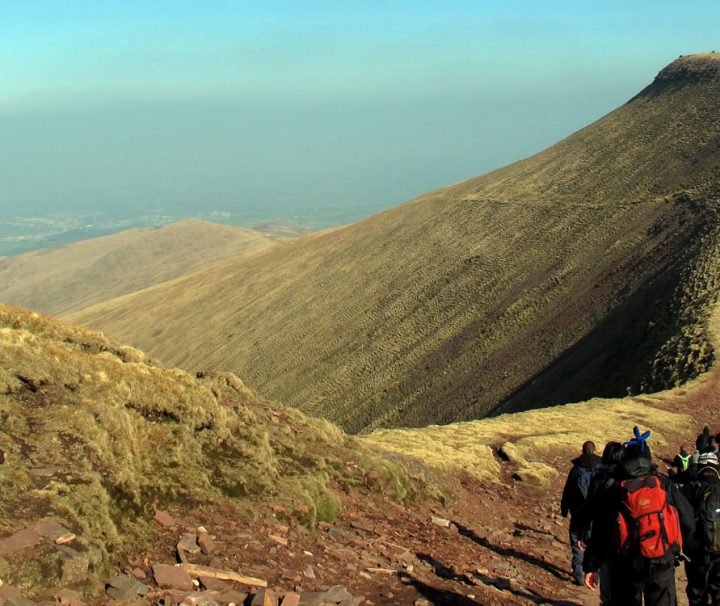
(67, 278)
(97, 436)
(586, 270)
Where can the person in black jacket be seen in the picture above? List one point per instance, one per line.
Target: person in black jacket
(632, 576)
(596, 505)
(573, 502)
(703, 550)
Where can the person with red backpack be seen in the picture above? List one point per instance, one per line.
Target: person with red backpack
(703, 550)
(641, 533)
(573, 502)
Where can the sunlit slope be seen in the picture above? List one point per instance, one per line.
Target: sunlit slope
(70, 277)
(97, 435)
(584, 271)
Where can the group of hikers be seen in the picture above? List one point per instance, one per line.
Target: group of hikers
(631, 525)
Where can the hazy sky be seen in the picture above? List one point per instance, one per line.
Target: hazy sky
(279, 106)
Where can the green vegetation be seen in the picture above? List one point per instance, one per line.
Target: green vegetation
(98, 436)
(587, 270)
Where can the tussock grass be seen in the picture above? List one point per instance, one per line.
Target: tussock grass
(528, 440)
(99, 436)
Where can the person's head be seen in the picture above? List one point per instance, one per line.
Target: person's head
(708, 459)
(683, 451)
(701, 442)
(708, 467)
(635, 450)
(612, 454)
(706, 431)
(588, 448)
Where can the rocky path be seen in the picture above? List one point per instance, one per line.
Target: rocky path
(501, 543)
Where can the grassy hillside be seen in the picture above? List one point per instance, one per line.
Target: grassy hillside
(586, 270)
(67, 278)
(97, 436)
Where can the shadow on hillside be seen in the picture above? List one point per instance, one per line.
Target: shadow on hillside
(441, 596)
(501, 584)
(526, 528)
(508, 552)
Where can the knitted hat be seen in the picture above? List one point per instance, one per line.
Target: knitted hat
(708, 458)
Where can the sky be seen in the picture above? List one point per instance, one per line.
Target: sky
(319, 111)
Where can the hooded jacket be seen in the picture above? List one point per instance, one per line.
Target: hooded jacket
(573, 501)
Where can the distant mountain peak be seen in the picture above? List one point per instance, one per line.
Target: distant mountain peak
(688, 68)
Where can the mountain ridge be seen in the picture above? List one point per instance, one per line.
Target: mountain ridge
(466, 298)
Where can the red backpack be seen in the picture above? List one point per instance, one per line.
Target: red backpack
(648, 526)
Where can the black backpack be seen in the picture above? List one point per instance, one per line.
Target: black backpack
(709, 518)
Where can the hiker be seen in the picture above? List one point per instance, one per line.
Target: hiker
(703, 443)
(684, 468)
(681, 462)
(596, 505)
(573, 502)
(703, 549)
(640, 534)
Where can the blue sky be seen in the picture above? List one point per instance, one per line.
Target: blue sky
(284, 105)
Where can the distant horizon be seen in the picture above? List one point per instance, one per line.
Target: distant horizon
(322, 114)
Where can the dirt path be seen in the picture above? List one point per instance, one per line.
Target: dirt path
(506, 542)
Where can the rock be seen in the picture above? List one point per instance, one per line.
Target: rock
(188, 543)
(70, 598)
(203, 598)
(7, 592)
(214, 584)
(443, 522)
(309, 572)
(68, 537)
(165, 519)
(50, 528)
(19, 601)
(172, 577)
(74, 567)
(279, 540)
(232, 597)
(313, 598)
(291, 599)
(422, 602)
(265, 597)
(206, 543)
(139, 574)
(23, 539)
(337, 594)
(123, 587)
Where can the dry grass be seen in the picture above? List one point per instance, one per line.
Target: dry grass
(68, 278)
(529, 440)
(98, 436)
(576, 273)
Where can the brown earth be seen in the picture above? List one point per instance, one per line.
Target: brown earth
(507, 543)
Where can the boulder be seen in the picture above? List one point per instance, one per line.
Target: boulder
(172, 577)
(123, 587)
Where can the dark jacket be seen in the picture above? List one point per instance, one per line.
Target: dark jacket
(595, 504)
(694, 492)
(601, 547)
(573, 501)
